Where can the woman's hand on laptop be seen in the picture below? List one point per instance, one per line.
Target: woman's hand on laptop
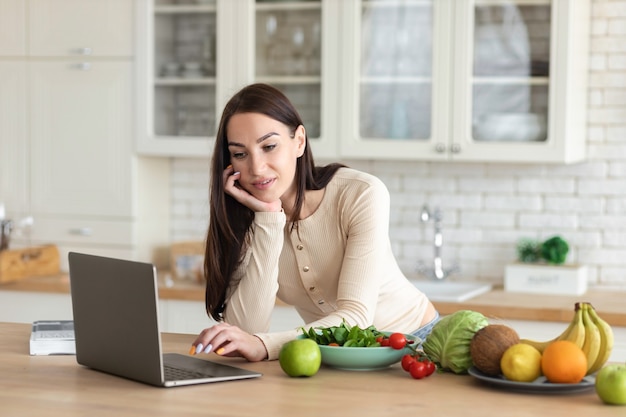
(227, 340)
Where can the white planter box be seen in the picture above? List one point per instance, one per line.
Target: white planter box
(546, 279)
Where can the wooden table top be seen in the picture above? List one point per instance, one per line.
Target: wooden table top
(58, 386)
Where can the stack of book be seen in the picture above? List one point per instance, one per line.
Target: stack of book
(52, 337)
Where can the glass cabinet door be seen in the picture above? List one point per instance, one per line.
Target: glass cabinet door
(511, 66)
(396, 79)
(480, 80)
(184, 68)
(202, 51)
(520, 80)
(288, 55)
(396, 70)
(179, 87)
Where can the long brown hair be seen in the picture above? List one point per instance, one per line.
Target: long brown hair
(229, 220)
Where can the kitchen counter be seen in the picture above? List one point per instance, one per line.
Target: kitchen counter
(58, 386)
(497, 303)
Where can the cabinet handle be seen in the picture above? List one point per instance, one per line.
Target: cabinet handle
(440, 147)
(84, 66)
(81, 231)
(85, 51)
(455, 148)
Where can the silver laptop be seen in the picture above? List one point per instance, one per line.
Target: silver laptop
(116, 325)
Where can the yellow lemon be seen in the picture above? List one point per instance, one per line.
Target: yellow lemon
(521, 363)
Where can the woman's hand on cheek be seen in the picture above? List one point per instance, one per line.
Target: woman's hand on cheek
(232, 188)
(226, 340)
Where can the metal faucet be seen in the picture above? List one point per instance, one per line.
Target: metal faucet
(437, 272)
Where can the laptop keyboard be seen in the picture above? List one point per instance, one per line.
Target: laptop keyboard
(177, 374)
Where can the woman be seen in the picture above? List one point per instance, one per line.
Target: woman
(280, 227)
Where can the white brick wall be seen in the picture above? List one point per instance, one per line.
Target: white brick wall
(488, 207)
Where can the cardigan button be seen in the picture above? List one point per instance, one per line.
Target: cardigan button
(299, 247)
(311, 288)
(306, 269)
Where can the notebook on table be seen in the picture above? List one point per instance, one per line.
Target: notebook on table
(116, 324)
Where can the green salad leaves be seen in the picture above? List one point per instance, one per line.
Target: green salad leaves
(344, 335)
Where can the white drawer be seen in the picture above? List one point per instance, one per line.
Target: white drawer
(61, 28)
(84, 231)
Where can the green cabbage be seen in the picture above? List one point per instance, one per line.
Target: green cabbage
(448, 345)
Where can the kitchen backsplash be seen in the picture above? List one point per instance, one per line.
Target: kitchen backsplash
(487, 207)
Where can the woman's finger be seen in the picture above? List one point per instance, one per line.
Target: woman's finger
(205, 342)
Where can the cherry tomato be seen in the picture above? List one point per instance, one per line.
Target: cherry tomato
(407, 360)
(397, 341)
(418, 370)
(430, 367)
(384, 342)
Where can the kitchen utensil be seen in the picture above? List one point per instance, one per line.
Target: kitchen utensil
(6, 226)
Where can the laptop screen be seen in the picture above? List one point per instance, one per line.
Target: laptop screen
(115, 307)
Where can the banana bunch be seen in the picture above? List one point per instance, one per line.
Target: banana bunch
(589, 332)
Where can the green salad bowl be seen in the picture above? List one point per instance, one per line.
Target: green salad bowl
(364, 358)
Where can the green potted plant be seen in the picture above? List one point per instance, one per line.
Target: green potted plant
(541, 268)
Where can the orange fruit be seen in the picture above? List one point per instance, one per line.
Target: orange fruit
(563, 362)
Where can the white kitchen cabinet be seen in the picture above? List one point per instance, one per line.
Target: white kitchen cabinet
(81, 142)
(295, 48)
(93, 28)
(27, 306)
(177, 86)
(68, 116)
(13, 102)
(483, 80)
(176, 316)
(193, 56)
(12, 28)
(179, 316)
(13, 137)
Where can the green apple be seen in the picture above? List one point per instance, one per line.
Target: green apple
(611, 384)
(300, 357)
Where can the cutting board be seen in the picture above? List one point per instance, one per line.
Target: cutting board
(16, 264)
